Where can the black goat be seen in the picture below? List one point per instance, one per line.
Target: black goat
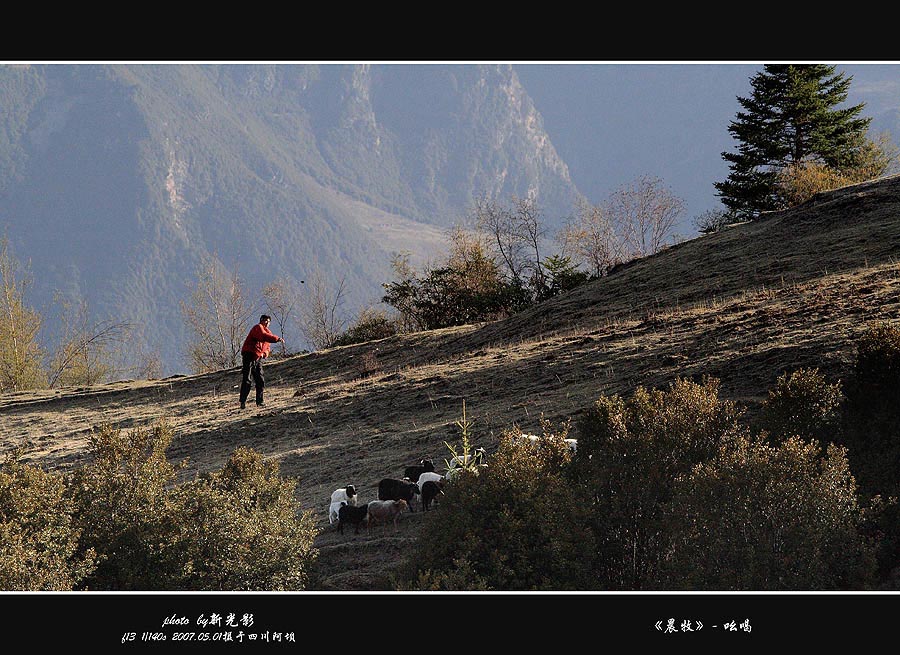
(430, 490)
(412, 473)
(393, 489)
(351, 514)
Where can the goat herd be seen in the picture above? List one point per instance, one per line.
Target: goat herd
(394, 496)
(420, 483)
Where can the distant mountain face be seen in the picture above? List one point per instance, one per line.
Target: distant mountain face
(116, 180)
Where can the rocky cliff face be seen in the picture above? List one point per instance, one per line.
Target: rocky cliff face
(116, 180)
(454, 112)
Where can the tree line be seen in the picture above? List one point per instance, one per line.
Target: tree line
(497, 262)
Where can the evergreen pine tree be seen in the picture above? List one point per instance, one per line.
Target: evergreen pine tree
(791, 116)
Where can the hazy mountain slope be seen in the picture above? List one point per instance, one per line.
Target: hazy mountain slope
(440, 114)
(744, 305)
(117, 180)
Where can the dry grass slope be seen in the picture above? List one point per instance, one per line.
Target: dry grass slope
(743, 305)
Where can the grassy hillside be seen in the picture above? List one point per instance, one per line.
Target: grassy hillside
(793, 290)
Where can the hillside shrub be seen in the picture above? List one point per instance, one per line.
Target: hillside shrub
(561, 275)
(469, 288)
(874, 387)
(759, 517)
(371, 324)
(240, 530)
(802, 403)
(871, 428)
(512, 527)
(125, 510)
(713, 220)
(799, 182)
(38, 538)
(457, 295)
(20, 347)
(461, 576)
(872, 417)
(630, 454)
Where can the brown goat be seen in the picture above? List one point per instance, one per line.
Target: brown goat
(382, 511)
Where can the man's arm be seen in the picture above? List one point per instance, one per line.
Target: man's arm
(266, 335)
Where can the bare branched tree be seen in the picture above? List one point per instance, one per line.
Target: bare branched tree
(646, 211)
(515, 234)
(20, 352)
(527, 220)
(590, 238)
(147, 365)
(500, 225)
(280, 298)
(87, 352)
(218, 314)
(320, 321)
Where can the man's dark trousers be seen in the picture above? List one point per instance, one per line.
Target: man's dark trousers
(251, 365)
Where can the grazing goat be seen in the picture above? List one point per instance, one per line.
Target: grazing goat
(430, 490)
(382, 511)
(426, 476)
(412, 473)
(354, 515)
(343, 495)
(393, 489)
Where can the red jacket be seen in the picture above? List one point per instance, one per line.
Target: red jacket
(257, 342)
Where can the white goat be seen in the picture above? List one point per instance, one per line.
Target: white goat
(426, 476)
(343, 496)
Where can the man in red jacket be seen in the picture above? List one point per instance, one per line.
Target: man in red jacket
(254, 350)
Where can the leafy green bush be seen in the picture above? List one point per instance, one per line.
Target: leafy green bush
(562, 275)
(514, 526)
(630, 453)
(758, 517)
(469, 288)
(803, 404)
(39, 540)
